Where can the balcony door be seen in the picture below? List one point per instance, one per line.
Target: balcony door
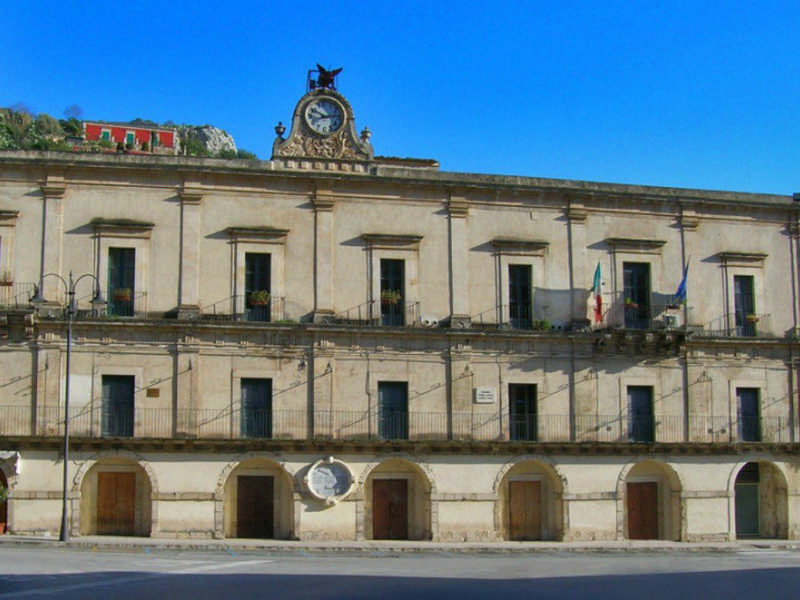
(118, 406)
(121, 281)
(636, 294)
(748, 414)
(256, 420)
(392, 291)
(640, 407)
(520, 309)
(744, 303)
(522, 408)
(257, 298)
(393, 410)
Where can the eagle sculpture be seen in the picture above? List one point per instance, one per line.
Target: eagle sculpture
(326, 78)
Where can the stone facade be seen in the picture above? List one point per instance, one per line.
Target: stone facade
(426, 329)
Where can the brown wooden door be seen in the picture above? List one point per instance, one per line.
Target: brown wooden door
(255, 506)
(525, 510)
(643, 510)
(116, 503)
(390, 509)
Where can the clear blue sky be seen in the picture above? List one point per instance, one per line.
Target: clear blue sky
(690, 94)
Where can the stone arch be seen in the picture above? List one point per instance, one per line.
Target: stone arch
(545, 486)
(758, 493)
(266, 471)
(663, 512)
(8, 480)
(87, 497)
(419, 516)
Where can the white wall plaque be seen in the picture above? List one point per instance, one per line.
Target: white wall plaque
(484, 395)
(329, 479)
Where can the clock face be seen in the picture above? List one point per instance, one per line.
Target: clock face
(324, 116)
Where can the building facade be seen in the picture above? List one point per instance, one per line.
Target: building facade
(334, 345)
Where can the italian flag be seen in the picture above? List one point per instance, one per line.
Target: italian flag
(595, 308)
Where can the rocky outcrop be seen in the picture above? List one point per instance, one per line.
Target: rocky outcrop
(213, 139)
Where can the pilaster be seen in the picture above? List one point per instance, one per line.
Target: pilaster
(191, 195)
(53, 189)
(324, 202)
(457, 213)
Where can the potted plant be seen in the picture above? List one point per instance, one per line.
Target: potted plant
(6, 279)
(629, 303)
(121, 294)
(390, 297)
(751, 318)
(259, 298)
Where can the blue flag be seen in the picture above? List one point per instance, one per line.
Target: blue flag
(680, 294)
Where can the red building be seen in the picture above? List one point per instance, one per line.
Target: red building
(133, 137)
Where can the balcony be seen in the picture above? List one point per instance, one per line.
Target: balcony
(740, 325)
(237, 308)
(16, 296)
(358, 425)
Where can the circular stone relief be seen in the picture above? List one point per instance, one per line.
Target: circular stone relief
(329, 479)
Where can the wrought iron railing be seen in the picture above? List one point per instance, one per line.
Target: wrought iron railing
(16, 295)
(289, 424)
(740, 325)
(238, 308)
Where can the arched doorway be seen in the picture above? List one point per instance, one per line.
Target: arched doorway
(530, 503)
(397, 502)
(258, 501)
(652, 502)
(760, 501)
(116, 499)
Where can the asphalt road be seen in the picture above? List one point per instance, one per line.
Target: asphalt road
(39, 572)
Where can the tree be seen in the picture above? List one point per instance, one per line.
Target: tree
(47, 125)
(73, 112)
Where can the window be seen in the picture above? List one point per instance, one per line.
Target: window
(640, 413)
(748, 414)
(636, 294)
(519, 296)
(744, 305)
(117, 410)
(121, 281)
(257, 286)
(256, 407)
(393, 410)
(105, 135)
(522, 409)
(130, 139)
(392, 291)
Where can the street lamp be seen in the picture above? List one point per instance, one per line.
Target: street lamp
(97, 300)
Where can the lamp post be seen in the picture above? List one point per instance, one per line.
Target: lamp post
(69, 286)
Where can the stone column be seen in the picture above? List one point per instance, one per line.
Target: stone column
(53, 190)
(457, 211)
(191, 196)
(323, 202)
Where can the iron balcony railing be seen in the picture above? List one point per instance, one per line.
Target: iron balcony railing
(239, 308)
(377, 313)
(93, 421)
(16, 295)
(740, 325)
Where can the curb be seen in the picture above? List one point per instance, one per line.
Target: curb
(103, 543)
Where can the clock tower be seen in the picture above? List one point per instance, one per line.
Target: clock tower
(323, 131)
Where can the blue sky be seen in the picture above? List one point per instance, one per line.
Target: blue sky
(687, 94)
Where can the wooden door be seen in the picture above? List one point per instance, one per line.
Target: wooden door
(525, 510)
(746, 510)
(390, 509)
(642, 510)
(255, 506)
(116, 503)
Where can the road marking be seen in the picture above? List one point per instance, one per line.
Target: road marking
(55, 591)
(218, 566)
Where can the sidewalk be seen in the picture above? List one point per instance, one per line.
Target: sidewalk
(379, 547)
